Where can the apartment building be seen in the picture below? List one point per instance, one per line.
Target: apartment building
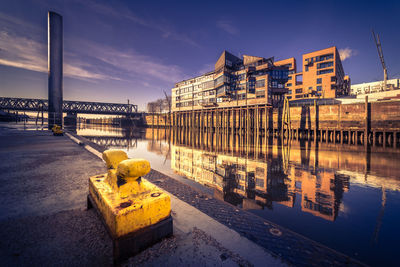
(322, 75)
(255, 80)
(233, 82)
(374, 87)
(295, 79)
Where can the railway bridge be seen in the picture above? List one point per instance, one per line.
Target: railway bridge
(28, 104)
(72, 108)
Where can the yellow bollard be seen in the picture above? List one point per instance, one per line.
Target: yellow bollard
(57, 130)
(135, 212)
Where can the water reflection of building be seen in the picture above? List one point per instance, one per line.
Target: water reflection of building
(158, 141)
(321, 192)
(255, 184)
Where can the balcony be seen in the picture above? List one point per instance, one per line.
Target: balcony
(280, 90)
(251, 68)
(212, 102)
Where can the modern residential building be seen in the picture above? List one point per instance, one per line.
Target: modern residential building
(374, 87)
(322, 75)
(234, 82)
(261, 81)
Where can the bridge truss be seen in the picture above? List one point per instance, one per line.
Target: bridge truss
(26, 104)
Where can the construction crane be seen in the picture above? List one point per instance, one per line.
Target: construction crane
(380, 53)
(169, 100)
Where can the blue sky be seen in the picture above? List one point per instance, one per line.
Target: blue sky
(119, 50)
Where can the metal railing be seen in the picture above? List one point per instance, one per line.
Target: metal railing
(310, 102)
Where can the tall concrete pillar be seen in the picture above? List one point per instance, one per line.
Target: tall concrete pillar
(55, 68)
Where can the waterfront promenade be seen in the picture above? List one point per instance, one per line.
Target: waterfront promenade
(44, 221)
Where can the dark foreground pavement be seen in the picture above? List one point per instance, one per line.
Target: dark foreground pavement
(44, 221)
(43, 188)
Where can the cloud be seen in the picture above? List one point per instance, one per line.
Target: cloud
(133, 64)
(163, 27)
(21, 52)
(228, 27)
(8, 21)
(346, 53)
(92, 62)
(26, 53)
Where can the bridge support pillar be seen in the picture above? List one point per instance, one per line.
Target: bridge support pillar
(55, 68)
(71, 118)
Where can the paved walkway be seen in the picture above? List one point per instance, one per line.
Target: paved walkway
(44, 221)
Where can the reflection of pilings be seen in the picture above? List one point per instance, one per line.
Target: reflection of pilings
(111, 141)
(326, 206)
(237, 146)
(55, 68)
(380, 217)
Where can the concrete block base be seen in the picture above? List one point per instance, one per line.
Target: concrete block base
(131, 244)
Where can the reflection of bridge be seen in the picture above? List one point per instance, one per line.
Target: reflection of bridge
(113, 141)
(68, 106)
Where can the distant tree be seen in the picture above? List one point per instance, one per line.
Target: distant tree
(160, 105)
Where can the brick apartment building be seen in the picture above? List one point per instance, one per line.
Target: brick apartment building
(322, 75)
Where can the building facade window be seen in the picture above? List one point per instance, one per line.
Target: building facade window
(324, 71)
(299, 90)
(260, 83)
(325, 57)
(319, 88)
(319, 80)
(260, 94)
(251, 86)
(325, 65)
(241, 77)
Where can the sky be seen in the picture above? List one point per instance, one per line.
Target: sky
(119, 50)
